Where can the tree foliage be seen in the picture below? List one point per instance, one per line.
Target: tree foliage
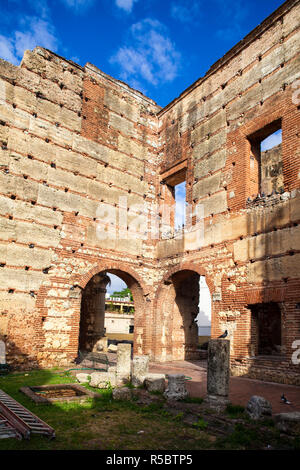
(123, 293)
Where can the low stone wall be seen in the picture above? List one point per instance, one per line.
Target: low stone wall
(271, 369)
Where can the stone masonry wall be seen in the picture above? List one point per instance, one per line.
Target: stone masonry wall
(72, 140)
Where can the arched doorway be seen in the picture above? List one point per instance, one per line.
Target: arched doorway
(177, 312)
(178, 306)
(92, 310)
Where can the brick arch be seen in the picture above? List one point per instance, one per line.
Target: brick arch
(189, 266)
(165, 299)
(129, 276)
(124, 269)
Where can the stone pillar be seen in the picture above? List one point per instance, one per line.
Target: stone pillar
(218, 372)
(123, 363)
(2, 353)
(98, 291)
(176, 387)
(140, 368)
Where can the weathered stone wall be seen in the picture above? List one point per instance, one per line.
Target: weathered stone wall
(250, 249)
(74, 140)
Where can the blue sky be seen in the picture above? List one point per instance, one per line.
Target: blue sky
(159, 47)
(116, 284)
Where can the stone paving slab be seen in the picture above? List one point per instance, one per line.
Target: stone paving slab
(241, 389)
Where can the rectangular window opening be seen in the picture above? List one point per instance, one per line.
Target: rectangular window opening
(266, 337)
(266, 172)
(174, 204)
(180, 205)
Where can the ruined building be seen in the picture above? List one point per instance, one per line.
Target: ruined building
(76, 145)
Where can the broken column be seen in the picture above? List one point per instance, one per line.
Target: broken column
(2, 353)
(176, 389)
(123, 363)
(4, 368)
(140, 368)
(218, 371)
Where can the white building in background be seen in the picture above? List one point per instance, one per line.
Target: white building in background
(118, 323)
(204, 315)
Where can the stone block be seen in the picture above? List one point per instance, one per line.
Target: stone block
(100, 379)
(210, 145)
(209, 127)
(102, 344)
(215, 204)
(207, 185)
(258, 407)
(217, 403)
(123, 363)
(121, 124)
(155, 382)
(2, 352)
(176, 389)
(288, 423)
(113, 348)
(83, 378)
(140, 368)
(122, 393)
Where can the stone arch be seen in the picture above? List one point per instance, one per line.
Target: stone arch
(176, 307)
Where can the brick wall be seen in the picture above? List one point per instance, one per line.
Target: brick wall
(74, 140)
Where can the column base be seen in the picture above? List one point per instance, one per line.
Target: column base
(216, 402)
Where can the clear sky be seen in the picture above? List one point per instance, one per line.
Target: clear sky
(157, 46)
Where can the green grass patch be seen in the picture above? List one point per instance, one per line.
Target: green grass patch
(235, 411)
(98, 423)
(198, 400)
(200, 424)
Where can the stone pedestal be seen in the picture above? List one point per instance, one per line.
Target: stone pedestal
(155, 382)
(218, 372)
(140, 368)
(176, 389)
(216, 402)
(123, 363)
(103, 379)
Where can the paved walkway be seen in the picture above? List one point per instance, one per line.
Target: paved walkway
(241, 389)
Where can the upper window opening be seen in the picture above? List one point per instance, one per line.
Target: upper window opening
(180, 205)
(266, 172)
(174, 203)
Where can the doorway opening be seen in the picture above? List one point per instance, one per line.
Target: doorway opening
(204, 315)
(108, 310)
(177, 333)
